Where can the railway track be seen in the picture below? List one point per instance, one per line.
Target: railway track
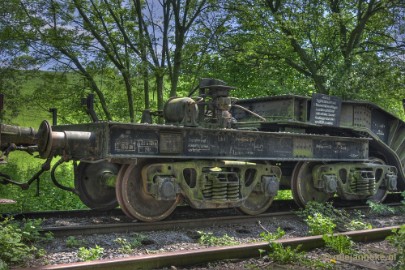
(204, 255)
(186, 211)
(252, 226)
(158, 226)
(60, 231)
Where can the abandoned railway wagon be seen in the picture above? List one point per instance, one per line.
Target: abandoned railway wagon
(214, 151)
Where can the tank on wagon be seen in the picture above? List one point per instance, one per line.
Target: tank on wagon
(215, 151)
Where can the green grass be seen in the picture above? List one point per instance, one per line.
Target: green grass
(23, 106)
(50, 197)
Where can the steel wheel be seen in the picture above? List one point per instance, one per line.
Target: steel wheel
(256, 203)
(302, 185)
(136, 203)
(95, 184)
(381, 193)
(118, 191)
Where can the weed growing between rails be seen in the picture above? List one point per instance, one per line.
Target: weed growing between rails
(90, 254)
(286, 255)
(20, 168)
(209, 239)
(323, 218)
(128, 245)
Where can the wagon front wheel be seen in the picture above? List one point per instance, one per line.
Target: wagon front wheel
(136, 202)
(302, 185)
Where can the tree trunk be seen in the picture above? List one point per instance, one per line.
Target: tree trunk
(128, 88)
(159, 88)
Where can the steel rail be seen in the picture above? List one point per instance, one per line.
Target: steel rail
(60, 231)
(157, 226)
(204, 255)
(392, 199)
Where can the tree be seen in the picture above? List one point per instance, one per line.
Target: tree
(137, 38)
(326, 41)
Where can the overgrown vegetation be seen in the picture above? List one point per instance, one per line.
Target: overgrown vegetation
(90, 254)
(319, 224)
(49, 197)
(398, 241)
(323, 218)
(380, 209)
(283, 195)
(341, 244)
(128, 245)
(279, 253)
(73, 242)
(269, 236)
(17, 241)
(209, 239)
(287, 255)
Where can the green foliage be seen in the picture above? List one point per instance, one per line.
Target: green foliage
(302, 47)
(356, 224)
(278, 253)
(3, 265)
(128, 245)
(321, 215)
(283, 195)
(319, 224)
(73, 242)
(317, 264)
(284, 255)
(398, 241)
(30, 229)
(380, 209)
(12, 248)
(268, 236)
(210, 239)
(90, 254)
(16, 241)
(341, 244)
(50, 197)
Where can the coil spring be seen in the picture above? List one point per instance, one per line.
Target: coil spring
(221, 189)
(364, 183)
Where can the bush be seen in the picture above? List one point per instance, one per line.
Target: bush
(16, 241)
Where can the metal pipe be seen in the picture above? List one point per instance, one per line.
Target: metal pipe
(17, 135)
(249, 111)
